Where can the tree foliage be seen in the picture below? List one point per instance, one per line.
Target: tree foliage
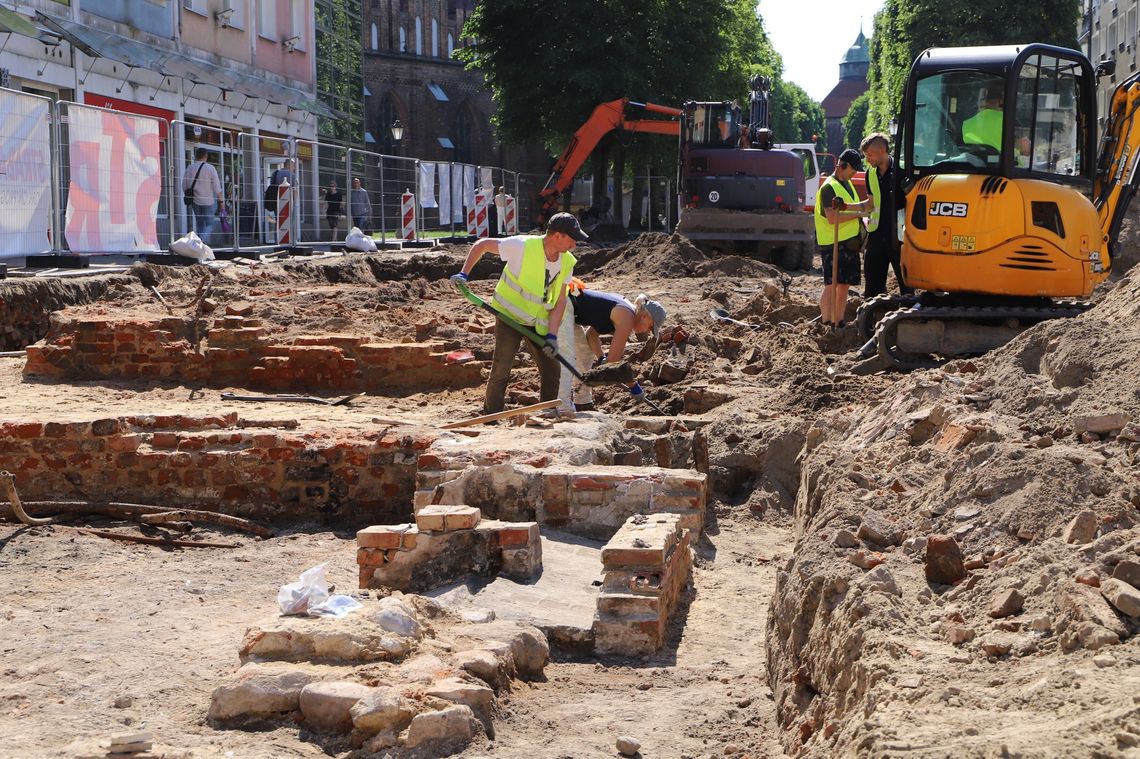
(904, 28)
(549, 64)
(795, 116)
(855, 122)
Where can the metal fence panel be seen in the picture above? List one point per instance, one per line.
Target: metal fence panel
(26, 225)
(224, 154)
(114, 195)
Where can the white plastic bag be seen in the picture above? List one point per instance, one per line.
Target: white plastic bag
(192, 246)
(311, 590)
(310, 595)
(357, 240)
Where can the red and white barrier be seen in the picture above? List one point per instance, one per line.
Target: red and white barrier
(482, 222)
(471, 220)
(284, 213)
(408, 216)
(512, 223)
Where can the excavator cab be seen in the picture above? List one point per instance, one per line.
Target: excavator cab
(715, 125)
(997, 151)
(1012, 111)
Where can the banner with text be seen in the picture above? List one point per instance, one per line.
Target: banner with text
(25, 175)
(116, 181)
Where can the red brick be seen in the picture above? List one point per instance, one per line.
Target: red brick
(29, 430)
(589, 483)
(191, 444)
(514, 536)
(381, 536)
(371, 557)
(164, 440)
(235, 493)
(430, 461)
(194, 478)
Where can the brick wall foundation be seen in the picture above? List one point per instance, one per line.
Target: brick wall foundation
(237, 351)
(646, 565)
(446, 544)
(592, 501)
(212, 462)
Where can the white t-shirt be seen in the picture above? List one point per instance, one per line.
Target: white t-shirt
(501, 200)
(511, 251)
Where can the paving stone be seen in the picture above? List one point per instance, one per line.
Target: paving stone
(455, 724)
(382, 709)
(1121, 595)
(1129, 572)
(260, 690)
(1082, 528)
(327, 705)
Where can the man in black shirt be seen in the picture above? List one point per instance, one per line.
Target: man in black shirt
(883, 245)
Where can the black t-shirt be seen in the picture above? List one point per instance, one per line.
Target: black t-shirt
(593, 309)
(335, 201)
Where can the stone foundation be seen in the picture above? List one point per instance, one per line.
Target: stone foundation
(445, 545)
(647, 564)
(591, 501)
(237, 351)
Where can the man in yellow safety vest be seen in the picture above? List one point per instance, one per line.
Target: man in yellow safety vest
(532, 292)
(883, 244)
(848, 211)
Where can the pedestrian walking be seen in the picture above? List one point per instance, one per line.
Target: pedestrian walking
(501, 201)
(280, 175)
(360, 206)
(203, 189)
(334, 208)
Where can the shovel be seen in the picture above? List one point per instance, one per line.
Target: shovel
(634, 389)
(291, 398)
(720, 315)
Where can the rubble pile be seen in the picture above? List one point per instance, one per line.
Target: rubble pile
(967, 546)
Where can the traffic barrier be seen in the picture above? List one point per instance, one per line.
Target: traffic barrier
(481, 225)
(471, 220)
(511, 224)
(408, 215)
(284, 213)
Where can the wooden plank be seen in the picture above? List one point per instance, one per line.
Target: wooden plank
(534, 407)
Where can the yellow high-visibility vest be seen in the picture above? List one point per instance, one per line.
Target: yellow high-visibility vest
(877, 194)
(527, 298)
(825, 230)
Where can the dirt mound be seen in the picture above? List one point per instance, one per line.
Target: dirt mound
(673, 257)
(866, 655)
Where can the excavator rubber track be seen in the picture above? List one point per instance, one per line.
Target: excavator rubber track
(886, 333)
(869, 314)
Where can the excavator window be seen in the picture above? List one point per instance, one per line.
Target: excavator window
(1048, 129)
(958, 121)
(713, 124)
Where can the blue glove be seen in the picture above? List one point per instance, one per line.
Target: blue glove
(636, 390)
(550, 347)
(458, 279)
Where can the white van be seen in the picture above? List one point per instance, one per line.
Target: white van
(806, 151)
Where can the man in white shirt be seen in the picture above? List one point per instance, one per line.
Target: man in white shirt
(202, 184)
(501, 200)
(532, 292)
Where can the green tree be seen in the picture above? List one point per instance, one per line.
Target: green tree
(795, 116)
(904, 28)
(855, 122)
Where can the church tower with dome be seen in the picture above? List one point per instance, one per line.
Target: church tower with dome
(852, 83)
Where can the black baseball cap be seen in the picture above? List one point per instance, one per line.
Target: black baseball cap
(567, 224)
(852, 158)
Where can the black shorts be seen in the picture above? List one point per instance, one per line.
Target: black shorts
(849, 265)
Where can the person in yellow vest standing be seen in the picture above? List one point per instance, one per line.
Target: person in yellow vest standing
(883, 244)
(532, 292)
(848, 211)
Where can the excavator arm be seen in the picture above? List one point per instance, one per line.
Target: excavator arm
(606, 118)
(1118, 162)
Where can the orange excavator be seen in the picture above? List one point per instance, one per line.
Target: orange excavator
(736, 192)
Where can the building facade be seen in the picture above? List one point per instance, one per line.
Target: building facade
(410, 74)
(852, 83)
(1109, 32)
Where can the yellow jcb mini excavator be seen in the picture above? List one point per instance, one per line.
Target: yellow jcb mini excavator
(1010, 216)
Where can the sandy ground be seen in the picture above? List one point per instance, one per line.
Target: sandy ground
(99, 637)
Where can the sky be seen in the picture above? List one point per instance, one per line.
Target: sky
(812, 37)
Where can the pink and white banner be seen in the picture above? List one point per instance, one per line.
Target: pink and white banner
(25, 175)
(116, 181)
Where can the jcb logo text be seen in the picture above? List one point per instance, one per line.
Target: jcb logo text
(940, 208)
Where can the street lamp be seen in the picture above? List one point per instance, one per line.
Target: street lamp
(397, 131)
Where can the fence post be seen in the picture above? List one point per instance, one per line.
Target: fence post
(383, 227)
(56, 142)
